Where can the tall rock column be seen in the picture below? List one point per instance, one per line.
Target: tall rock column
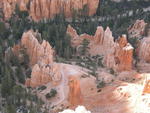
(143, 50)
(124, 55)
(40, 60)
(37, 52)
(75, 96)
(121, 56)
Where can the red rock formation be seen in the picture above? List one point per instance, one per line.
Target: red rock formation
(37, 52)
(9, 6)
(117, 55)
(40, 57)
(147, 87)
(137, 29)
(143, 54)
(123, 55)
(143, 50)
(75, 96)
(40, 9)
(100, 43)
(39, 76)
(48, 9)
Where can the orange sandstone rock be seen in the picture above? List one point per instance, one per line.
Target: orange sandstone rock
(75, 96)
(100, 43)
(137, 29)
(117, 55)
(147, 87)
(40, 59)
(8, 6)
(143, 50)
(40, 9)
(123, 55)
(38, 53)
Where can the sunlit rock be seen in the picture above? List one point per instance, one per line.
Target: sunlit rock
(41, 9)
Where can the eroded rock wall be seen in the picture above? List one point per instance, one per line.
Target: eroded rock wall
(38, 53)
(143, 50)
(8, 6)
(40, 58)
(137, 29)
(117, 55)
(40, 9)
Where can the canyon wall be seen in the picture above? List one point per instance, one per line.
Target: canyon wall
(40, 9)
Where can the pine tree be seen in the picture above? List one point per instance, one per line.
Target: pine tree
(10, 108)
(7, 82)
(84, 48)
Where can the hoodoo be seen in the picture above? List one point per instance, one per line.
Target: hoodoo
(41, 9)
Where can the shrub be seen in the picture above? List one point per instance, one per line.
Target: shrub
(101, 84)
(42, 87)
(112, 71)
(52, 93)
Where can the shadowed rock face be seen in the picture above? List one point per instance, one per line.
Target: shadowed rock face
(117, 55)
(40, 9)
(143, 50)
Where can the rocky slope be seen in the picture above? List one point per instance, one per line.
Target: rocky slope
(120, 97)
(40, 9)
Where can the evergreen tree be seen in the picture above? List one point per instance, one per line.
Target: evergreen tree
(7, 82)
(84, 47)
(10, 108)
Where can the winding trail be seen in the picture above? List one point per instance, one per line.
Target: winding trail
(61, 88)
